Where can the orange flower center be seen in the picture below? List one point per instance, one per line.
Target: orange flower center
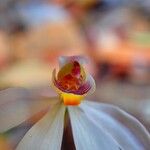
(72, 80)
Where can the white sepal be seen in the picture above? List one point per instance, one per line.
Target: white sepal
(47, 133)
(125, 129)
(17, 105)
(87, 134)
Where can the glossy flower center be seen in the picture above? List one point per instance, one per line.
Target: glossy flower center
(73, 79)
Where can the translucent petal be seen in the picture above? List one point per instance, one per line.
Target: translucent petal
(92, 83)
(17, 105)
(87, 88)
(66, 59)
(47, 133)
(12, 94)
(126, 130)
(87, 134)
(54, 82)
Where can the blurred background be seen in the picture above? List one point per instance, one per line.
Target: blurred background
(113, 34)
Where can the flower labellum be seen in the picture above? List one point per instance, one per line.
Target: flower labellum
(72, 82)
(95, 126)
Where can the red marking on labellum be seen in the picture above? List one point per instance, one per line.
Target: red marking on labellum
(83, 88)
(73, 82)
(76, 71)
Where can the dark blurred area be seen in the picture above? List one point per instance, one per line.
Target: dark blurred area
(114, 34)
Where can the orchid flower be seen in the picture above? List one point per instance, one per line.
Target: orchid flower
(95, 126)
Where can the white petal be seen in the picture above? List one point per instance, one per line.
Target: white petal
(125, 129)
(12, 94)
(47, 133)
(17, 105)
(66, 59)
(88, 135)
(92, 83)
